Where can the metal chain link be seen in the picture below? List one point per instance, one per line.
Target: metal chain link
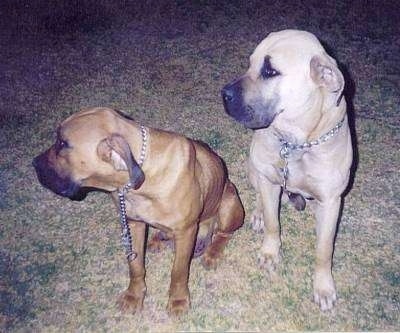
(126, 237)
(287, 147)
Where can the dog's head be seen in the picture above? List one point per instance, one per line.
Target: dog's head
(289, 73)
(91, 151)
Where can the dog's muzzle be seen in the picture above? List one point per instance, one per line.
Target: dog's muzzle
(232, 99)
(255, 115)
(62, 186)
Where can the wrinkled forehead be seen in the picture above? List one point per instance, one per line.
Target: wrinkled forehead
(286, 49)
(81, 126)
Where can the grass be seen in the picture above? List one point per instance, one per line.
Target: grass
(164, 63)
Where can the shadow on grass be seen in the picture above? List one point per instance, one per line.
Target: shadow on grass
(17, 286)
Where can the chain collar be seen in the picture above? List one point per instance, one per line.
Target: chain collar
(288, 147)
(126, 237)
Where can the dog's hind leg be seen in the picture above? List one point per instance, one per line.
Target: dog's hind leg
(159, 242)
(204, 236)
(230, 218)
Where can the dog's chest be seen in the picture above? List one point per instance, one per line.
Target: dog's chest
(294, 173)
(149, 210)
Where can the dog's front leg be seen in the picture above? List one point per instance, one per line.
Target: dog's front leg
(269, 256)
(326, 214)
(131, 300)
(179, 299)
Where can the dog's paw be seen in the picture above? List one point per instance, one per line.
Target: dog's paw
(209, 262)
(257, 221)
(201, 245)
(325, 294)
(178, 307)
(270, 264)
(215, 250)
(159, 242)
(129, 302)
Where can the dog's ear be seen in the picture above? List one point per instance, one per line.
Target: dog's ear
(115, 150)
(324, 72)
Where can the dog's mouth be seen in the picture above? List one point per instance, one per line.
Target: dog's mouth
(255, 115)
(79, 194)
(63, 186)
(253, 119)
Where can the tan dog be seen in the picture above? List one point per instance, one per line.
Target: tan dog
(292, 96)
(182, 188)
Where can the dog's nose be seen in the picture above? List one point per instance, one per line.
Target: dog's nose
(227, 94)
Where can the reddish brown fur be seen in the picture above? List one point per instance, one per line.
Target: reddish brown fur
(186, 192)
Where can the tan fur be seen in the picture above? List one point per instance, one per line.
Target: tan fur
(185, 188)
(306, 91)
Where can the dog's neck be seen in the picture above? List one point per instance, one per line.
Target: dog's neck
(125, 230)
(137, 136)
(299, 131)
(288, 147)
(330, 117)
(144, 132)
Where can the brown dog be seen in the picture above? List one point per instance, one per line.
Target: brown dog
(292, 97)
(182, 189)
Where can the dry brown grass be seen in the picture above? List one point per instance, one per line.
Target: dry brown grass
(61, 264)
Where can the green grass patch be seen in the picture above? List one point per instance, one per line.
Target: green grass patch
(164, 63)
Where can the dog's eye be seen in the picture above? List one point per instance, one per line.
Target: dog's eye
(60, 145)
(267, 71)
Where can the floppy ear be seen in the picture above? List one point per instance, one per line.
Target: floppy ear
(324, 72)
(115, 150)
